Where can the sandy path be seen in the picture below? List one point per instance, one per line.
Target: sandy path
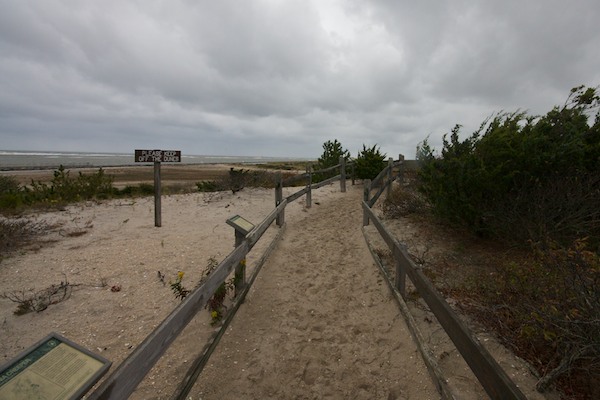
(319, 321)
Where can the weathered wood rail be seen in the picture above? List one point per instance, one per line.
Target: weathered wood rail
(122, 382)
(492, 377)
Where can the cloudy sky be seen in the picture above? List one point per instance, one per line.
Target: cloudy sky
(280, 77)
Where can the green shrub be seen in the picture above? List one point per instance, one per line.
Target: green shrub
(142, 189)
(10, 193)
(145, 189)
(62, 189)
(496, 177)
(332, 152)
(369, 163)
(8, 184)
(207, 186)
(238, 179)
(10, 201)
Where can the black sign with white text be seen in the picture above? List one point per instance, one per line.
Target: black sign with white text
(158, 156)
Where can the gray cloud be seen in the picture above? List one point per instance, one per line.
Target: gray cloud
(280, 78)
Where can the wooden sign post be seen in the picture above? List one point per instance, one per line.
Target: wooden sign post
(157, 157)
(242, 227)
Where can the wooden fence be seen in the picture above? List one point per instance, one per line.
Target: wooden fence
(492, 377)
(127, 376)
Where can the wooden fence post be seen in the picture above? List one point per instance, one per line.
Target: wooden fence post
(157, 205)
(367, 191)
(342, 174)
(352, 172)
(309, 187)
(400, 281)
(389, 176)
(279, 198)
(239, 280)
(401, 169)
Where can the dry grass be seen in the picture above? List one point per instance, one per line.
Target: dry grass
(19, 233)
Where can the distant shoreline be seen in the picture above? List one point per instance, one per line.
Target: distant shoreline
(35, 160)
(140, 165)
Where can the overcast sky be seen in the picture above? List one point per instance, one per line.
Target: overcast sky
(280, 77)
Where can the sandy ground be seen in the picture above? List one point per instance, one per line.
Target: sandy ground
(319, 321)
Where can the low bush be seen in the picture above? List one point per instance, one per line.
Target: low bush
(547, 310)
(238, 179)
(18, 233)
(404, 201)
(142, 189)
(8, 184)
(61, 190)
(64, 189)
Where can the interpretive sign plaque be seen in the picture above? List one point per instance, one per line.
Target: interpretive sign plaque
(158, 156)
(54, 368)
(241, 224)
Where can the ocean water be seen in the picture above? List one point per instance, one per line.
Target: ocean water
(11, 160)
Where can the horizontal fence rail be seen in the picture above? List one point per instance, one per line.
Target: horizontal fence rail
(256, 233)
(308, 177)
(387, 172)
(326, 182)
(297, 195)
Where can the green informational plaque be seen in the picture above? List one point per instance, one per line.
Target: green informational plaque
(54, 368)
(241, 224)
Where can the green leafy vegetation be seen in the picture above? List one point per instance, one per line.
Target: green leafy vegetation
(63, 189)
(332, 152)
(284, 166)
(533, 182)
(216, 304)
(142, 189)
(369, 163)
(521, 177)
(238, 179)
(177, 287)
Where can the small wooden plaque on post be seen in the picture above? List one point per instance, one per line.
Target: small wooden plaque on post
(240, 224)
